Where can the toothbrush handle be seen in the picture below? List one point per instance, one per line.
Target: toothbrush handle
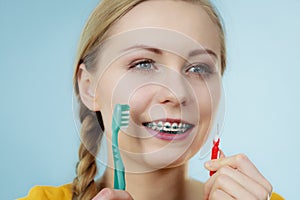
(214, 153)
(119, 176)
(119, 183)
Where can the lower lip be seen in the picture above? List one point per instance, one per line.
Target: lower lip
(167, 136)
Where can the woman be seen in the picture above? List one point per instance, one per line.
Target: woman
(164, 59)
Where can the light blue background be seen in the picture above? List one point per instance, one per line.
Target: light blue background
(39, 142)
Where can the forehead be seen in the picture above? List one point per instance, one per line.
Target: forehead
(182, 17)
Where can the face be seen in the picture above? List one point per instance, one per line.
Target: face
(167, 69)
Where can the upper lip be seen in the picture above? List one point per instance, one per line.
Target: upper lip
(171, 120)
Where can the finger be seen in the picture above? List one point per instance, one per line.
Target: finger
(110, 194)
(228, 186)
(241, 163)
(219, 194)
(220, 155)
(247, 183)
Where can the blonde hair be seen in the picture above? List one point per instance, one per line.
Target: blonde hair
(95, 31)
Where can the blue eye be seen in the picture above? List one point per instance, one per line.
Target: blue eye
(144, 65)
(200, 69)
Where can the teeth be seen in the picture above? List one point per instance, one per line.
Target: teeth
(160, 126)
(174, 127)
(153, 126)
(168, 127)
(180, 126)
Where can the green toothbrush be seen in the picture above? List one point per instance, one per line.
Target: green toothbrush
(120, 120)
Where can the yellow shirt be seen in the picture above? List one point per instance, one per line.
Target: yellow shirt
(64, 192)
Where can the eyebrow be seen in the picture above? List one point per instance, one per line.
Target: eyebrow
(148, 48)
(202, 51)
(160, 52)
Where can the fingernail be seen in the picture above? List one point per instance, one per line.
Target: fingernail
(209, 164)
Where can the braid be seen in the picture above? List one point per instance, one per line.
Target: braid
(84, 185)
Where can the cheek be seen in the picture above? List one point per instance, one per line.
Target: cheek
(103, 99)
(140, 102)
(207, 98)
(124, 89)
(105, 87)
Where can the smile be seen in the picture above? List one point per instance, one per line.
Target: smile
(168, 126)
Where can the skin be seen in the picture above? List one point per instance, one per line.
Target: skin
(158, 165)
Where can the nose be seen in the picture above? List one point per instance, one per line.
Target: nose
(171, 99)
(174, 90)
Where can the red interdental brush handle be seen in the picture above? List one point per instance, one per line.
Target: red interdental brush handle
(215, 152)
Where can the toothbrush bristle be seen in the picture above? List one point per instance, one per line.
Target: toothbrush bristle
(125, 116)
(216, 138)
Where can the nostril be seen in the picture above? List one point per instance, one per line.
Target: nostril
(166, 101)
(174, 100)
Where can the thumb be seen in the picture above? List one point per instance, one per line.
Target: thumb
(208, 164)
(221, 154)
(108, 194)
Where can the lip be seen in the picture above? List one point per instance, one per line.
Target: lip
(171, 120)
(169, 136)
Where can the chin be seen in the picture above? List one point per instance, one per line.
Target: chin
(160, 159)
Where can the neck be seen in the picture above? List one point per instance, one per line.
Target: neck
(167, 184)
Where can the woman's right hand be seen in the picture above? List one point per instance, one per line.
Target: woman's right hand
(111, 194)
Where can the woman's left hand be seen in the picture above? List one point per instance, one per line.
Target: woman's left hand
(236, 177)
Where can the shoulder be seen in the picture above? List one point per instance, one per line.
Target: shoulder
(63, 192)
(276, 196)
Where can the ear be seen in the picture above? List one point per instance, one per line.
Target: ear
(86, 91)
